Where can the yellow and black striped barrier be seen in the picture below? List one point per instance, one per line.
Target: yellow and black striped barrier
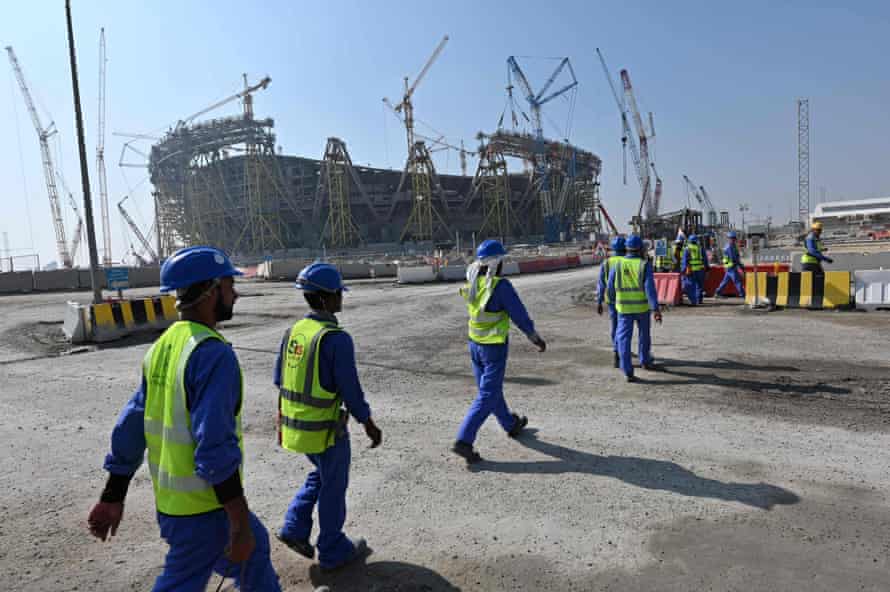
(806, 289)
(114, 319)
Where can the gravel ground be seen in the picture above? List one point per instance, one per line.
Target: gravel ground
(755, 460)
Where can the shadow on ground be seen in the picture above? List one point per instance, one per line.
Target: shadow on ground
(381, 576)
(640, 472)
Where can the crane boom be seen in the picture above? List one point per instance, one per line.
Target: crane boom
(647, 200)
(709, 206)
(141, 237)
(43, 135)
(625, 124)
(426, 67)
(100, 156)
(78, 229)
(262, 84)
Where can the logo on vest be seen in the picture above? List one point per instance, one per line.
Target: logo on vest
(296, 348)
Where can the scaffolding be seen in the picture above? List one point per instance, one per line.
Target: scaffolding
(425, 222)
(340, 229)
(493, 183)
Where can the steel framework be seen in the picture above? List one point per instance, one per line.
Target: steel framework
(100, 157)
(803, 160)
(340, 229)
(493, 182)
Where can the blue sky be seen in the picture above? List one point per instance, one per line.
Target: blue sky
(721, 78)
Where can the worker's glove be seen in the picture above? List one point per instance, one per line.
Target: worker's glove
(829, 260)
(657, 316)
(373, 433)
(105, 517)
(599, 308)
(539, 343)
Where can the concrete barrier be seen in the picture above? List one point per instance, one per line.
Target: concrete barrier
(510, 268)
(850, 261)
(59, 279)
(85, 283)
(800, 290)
(419, 274)
(384, 270)
(110, 320)
(872, 289)
(144, 277)
(453, 273)
(16, 282)
(587, 259)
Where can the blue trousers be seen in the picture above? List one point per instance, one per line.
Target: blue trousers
(625, 335)
(489, 367)
(325, 486)
(694, 286)
(197, 545)
(613, 321)
(733, 274)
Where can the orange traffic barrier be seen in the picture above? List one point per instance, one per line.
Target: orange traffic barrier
(669, 288)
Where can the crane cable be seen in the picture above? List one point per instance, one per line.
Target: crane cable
(18, 136)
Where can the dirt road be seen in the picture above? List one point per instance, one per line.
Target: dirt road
(756, 460)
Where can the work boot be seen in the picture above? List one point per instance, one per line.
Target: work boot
(631, 378)
(616, 363)
(518, 424)
(360, 550)
(651, 367)
(466, 451)
(304, 548)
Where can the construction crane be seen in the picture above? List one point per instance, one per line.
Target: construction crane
(43, 135)
(139, 236)
(78, 230)
(627, 134)
(709, 207)
(536, 101)
(244, 94)
(100, 156)
(647, 201)
(406, 105)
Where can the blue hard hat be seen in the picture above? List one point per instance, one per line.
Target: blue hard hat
(633, 243)
(693, 238)
(193, 265)
(490, 248)
(731, 234)
(618, 244)
(320, 277)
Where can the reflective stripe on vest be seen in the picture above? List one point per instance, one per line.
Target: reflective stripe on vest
(487, 328)
(166, 423)
(806, 257)
(309, 415)
(694, 261)
(630, 293)
(609, 264)
(729, 262)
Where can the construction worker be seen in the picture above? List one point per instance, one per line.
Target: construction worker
(632, 288)
(694, 266)
(677, 254)
(732, 265)
(187, 413)
(601, 295)
(316, 374)
(812, 259)
(492, 303)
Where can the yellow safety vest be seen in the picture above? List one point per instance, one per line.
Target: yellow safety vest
(167, 423)
(806, 257)
(694, 261)
(728, 262)
(608, 265)
(486, 328)
(309, 416)
(630, 293)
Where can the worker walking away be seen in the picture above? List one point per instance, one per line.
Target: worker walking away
(812, 258)
(732, 265)
(677, 254)
(316, 374)
(187, 413)
(601, 295)
(694, 266)
(632, 288)
(492, 303)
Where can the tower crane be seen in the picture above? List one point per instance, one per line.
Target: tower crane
(709, 207)
(536, 101)
(100, 156)
(647, 201)
(141, 237)
(244, 94)
(627, 137)
(43, 135)
(78, 230)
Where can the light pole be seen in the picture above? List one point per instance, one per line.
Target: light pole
(744, 208)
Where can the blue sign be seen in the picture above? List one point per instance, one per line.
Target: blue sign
(661, 248)
(117, 278)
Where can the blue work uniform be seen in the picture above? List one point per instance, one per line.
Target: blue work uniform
(600, 296)
(694, 284)
(733, 271)
(490, 366)
(197, 543)
(625, 332)
(326, 485)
